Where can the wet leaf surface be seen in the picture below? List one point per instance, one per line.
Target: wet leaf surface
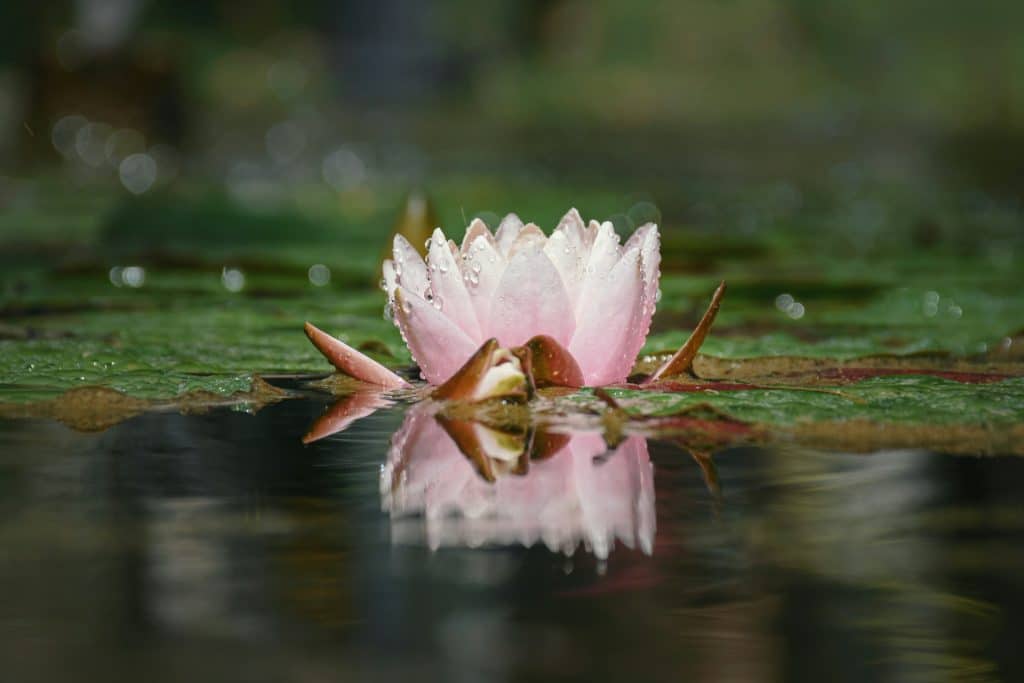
(119, 307)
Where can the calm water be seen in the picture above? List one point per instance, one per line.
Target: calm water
(218, 546)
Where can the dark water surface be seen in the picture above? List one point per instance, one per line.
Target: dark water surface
(219, 547)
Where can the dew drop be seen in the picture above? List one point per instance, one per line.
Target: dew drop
(657, 296)
(389, 312)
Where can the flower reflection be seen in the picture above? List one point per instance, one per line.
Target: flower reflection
(459, 483)
(353, 407)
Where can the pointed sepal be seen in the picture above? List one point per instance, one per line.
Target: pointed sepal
(548, 363)
(491, 372)
(682, 361)
(352, 362)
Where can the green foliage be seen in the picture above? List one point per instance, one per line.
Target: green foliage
(69, 319)
(912, 399)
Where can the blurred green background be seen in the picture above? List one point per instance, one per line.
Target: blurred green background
(183, 183)
(637, 94)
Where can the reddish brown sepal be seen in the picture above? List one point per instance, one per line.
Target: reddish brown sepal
(550, 363)
(682, 361)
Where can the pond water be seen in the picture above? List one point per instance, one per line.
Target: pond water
(218, 545)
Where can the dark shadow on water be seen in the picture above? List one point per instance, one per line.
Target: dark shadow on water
(218, 546)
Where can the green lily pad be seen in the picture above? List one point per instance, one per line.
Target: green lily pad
(195, 292)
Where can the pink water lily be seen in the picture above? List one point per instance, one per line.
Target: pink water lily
(517, 308)
(579, 286)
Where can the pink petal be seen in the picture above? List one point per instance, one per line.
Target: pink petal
(507, 232)
(389, 280)
(410, 270)
(482, 272)
(477, 228)
(607, 327)
(567, 249)
(530, 237)
(446, 285)
(531, 300)
(605, 252)
(647, 240)
(598, 289)
(437, 344)
(352, 362)
(572, 224)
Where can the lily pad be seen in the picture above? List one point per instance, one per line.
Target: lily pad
(193, 293)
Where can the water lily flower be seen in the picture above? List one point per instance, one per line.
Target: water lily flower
(508, 311)
(462, 483)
